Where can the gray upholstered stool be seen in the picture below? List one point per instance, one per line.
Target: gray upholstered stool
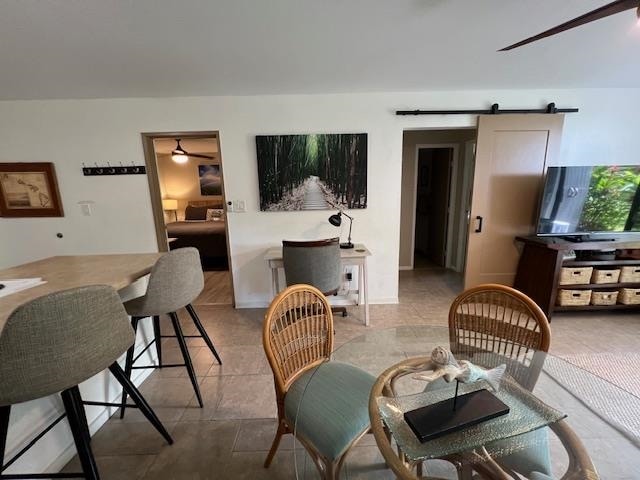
(52, 344)
(316, 263)
(175, 281)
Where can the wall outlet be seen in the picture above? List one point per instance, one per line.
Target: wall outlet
(229, 207)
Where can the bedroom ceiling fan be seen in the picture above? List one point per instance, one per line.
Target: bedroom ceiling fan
(180, 155)
(602, 12)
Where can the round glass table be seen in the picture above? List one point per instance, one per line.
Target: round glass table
(564, 422)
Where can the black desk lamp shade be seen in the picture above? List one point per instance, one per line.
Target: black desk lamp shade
(336, 221)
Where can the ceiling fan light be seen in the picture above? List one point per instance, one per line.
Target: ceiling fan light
(179, 157)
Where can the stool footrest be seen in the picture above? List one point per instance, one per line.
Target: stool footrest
(185, 336)
(143, 350)
(28, 476)
(108, 404)
(164, 365)
(3, 467)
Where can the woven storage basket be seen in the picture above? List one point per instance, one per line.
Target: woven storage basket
(575, 276)
(574, 298)
(630, 296)
(605, 276)
(604, 298)
(630, 274)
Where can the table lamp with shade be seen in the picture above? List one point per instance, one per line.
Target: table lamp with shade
(171, 204)
(336, 221)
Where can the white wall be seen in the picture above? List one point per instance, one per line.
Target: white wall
(71, 132)
(75, 131)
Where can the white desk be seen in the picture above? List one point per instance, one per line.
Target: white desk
(349, 256)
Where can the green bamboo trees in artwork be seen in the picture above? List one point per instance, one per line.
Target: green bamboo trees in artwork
(288, 165)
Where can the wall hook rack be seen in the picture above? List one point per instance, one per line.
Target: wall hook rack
(113, 170)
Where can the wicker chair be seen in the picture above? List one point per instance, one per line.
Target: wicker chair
(494, 324)
(497, 324)
(323, 403)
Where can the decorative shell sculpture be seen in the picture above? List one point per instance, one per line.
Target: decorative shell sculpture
(447, 367)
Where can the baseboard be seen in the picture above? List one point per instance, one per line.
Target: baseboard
(375, 301)
(405, 267)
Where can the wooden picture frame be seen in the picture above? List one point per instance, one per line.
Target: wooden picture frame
(29, 190)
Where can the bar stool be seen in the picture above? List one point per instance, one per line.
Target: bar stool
(174, 282)
(52, 344)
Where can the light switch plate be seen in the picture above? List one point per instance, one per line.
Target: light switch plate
(239, 206)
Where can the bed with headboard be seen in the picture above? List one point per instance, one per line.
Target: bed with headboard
(204, 227)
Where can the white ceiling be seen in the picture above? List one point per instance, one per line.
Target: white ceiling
(132, 48)
(190, 145)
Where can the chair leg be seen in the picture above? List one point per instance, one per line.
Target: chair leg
(203, 332)
(139, 400)
(5, 413)
(276, 443)
(185, 354)
(82, 416)
(128, 365)
(73, 406)
(157, 333)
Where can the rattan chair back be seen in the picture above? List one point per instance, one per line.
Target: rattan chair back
(297, 334)
(497, 324)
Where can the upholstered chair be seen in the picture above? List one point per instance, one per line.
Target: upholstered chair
(314, 262)
(175, 282)
(53, 343)
(325, 403)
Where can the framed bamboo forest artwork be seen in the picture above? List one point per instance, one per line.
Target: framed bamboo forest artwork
(312, 172)
(29, 190)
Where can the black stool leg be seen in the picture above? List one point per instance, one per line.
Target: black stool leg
(5, 412)
(157, 333)
(80, 434)
(82, 416)
(128, 365)
(202, 331)
(185, 355)
(139, 400)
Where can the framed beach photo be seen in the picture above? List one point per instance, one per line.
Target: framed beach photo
(29, 190)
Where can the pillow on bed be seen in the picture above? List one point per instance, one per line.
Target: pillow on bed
(215, 214)
(195, 213)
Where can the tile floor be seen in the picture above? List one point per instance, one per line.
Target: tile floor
(229, 437)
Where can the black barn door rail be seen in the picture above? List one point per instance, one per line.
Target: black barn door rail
(494, 110)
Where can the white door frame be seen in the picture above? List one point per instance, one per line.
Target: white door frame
(468, 166)
(452, 195)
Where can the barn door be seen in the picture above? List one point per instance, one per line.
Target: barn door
(511, 155)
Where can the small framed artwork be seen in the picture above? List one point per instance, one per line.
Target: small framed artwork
(210, 180)
(29, 190)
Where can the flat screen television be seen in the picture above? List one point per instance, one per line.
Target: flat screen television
(595, 199)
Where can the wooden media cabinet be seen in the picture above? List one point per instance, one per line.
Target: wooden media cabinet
(543, 258)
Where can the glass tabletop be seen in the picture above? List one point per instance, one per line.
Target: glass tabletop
(602, 416)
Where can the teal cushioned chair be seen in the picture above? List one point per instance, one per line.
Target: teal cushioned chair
(494, 324)
(324, 403)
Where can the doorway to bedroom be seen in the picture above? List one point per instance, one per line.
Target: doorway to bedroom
(187, 195)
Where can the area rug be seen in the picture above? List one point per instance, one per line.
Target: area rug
(620, 371)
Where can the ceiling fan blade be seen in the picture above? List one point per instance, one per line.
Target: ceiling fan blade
(602, 12)
(200, 155)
